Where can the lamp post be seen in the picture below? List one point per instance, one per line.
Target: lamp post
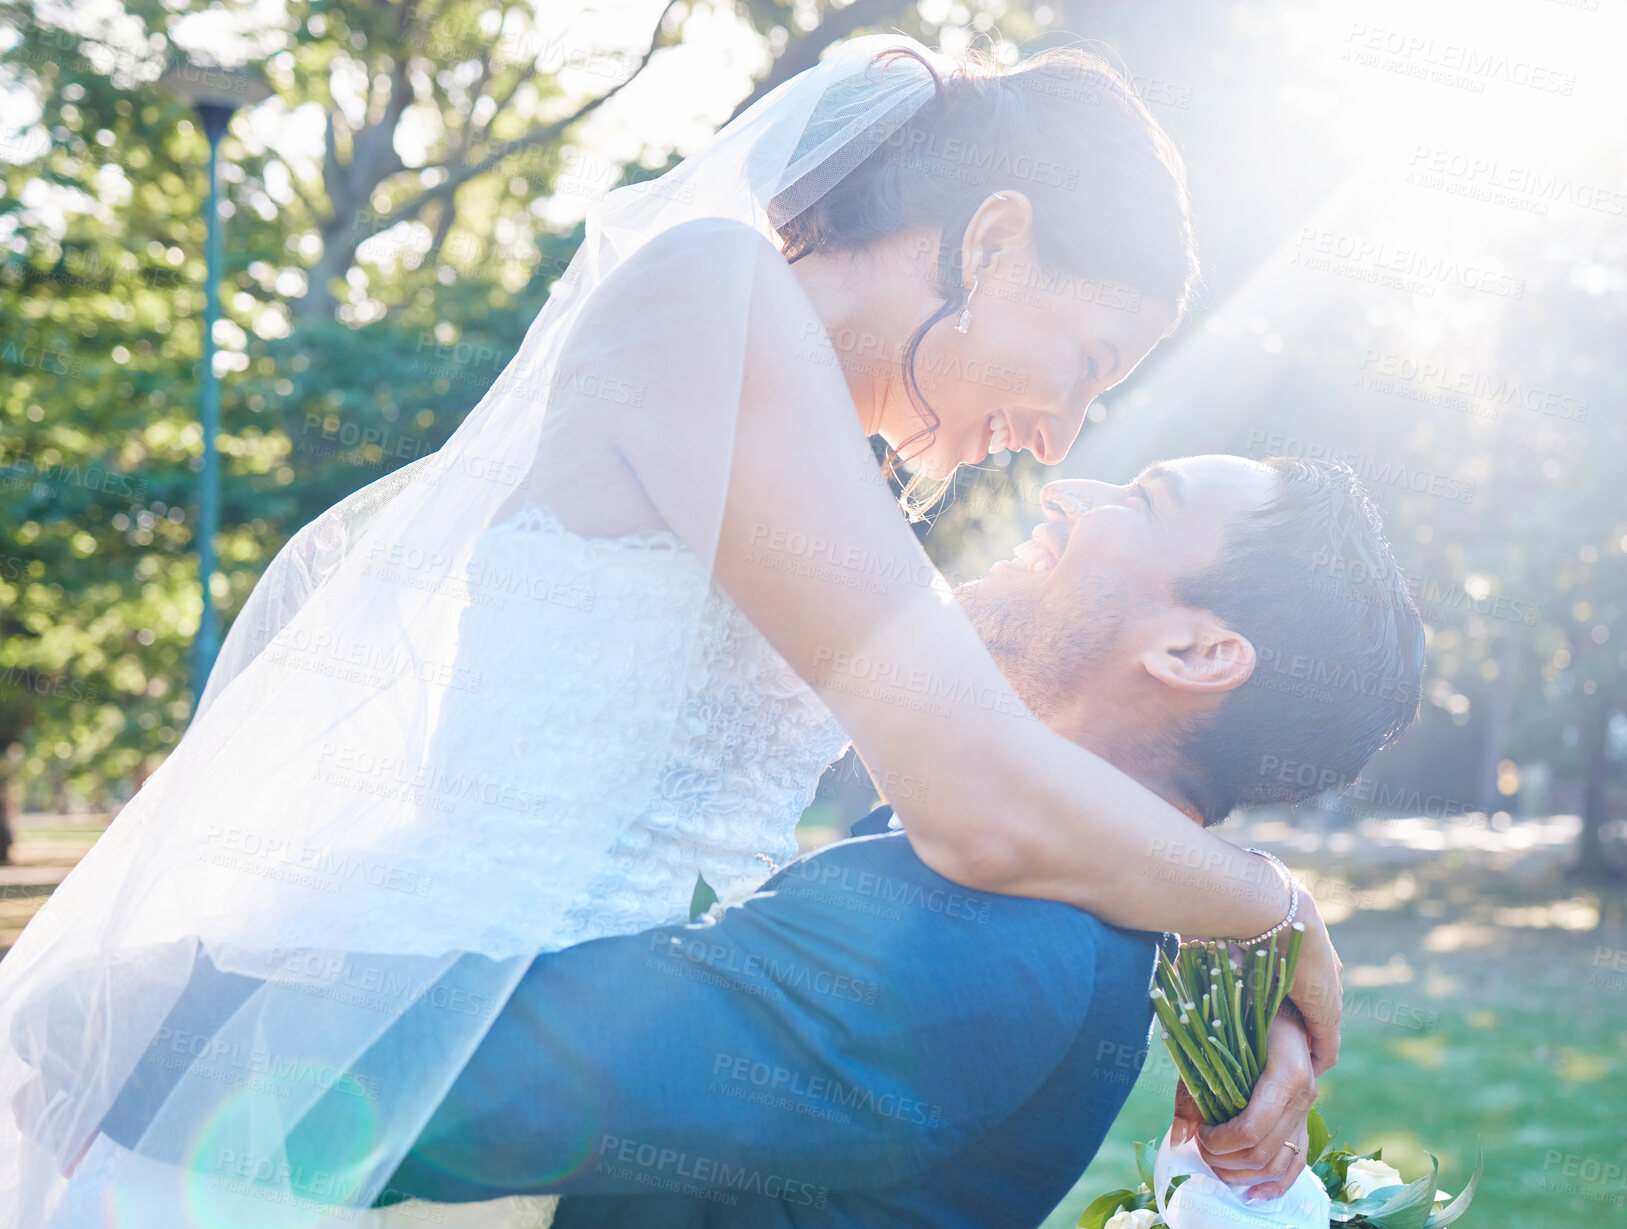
(215, 93)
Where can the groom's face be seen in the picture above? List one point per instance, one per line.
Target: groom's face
(1097, 581)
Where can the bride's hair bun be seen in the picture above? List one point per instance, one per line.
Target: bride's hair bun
(1063, 127)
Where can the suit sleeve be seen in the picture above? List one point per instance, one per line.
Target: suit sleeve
(843, 1031)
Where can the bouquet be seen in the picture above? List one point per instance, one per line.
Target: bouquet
(1215, 1016)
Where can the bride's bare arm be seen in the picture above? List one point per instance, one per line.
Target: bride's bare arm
(813, 547)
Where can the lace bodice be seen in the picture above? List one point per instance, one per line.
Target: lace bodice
(622, 696)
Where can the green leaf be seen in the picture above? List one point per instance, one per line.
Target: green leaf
(1334, 1170)
(1330, 1181)
(703, 899)
(1146, 1154)
(1380, 1195)
(1460, 1204)
(1320, 1136)
(1367, 1203)
(1103, 1207)
(1410, 1206)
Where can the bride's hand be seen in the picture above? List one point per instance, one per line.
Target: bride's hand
(1318, 991)
(1251, 1151)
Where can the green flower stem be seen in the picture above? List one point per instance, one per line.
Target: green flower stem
(1173, 985)
(1296, 936)
(1220, 998)
(1233, 1068)
(1226, 1088)
(1193, 1081)
(1241, 1043)
(1184, 1036)
(1259, 989)
(1230, 992)
(1165, 1011)
(1279, 990)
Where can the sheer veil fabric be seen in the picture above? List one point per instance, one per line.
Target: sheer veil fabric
(330, 798)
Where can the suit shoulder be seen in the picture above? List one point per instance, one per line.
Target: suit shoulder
(882, 876)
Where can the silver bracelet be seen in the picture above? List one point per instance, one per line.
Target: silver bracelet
(1293, 898)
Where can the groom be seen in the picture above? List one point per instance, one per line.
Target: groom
(866, 1043)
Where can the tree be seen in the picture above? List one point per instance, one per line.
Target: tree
(97, 598)
(408, 54)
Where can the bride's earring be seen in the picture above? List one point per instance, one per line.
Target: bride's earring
(965, 320)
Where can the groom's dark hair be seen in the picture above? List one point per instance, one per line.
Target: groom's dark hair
(1312, 583)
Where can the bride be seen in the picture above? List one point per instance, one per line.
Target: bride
(522, 692)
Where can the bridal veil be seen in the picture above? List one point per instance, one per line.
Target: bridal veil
(303, 817)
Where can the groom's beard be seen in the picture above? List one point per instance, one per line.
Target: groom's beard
(1045, 645)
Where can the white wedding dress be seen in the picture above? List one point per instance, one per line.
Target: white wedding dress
(748, 742)
(739, 766)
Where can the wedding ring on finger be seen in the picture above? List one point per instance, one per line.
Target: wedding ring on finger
(1288, 1143)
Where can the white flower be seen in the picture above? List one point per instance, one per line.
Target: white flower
(1364, 1177)
(1441, 1196)
(1141, 1218)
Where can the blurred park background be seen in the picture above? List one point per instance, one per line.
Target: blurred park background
(1413, 223)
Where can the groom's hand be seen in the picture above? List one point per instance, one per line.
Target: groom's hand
(1250, 1151)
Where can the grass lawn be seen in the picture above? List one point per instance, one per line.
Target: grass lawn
(1486, 1005)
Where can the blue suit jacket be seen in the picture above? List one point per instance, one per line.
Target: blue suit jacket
(862, 1043)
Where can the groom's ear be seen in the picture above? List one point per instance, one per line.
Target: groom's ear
(1196, 652)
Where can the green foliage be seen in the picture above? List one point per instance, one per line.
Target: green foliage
(1391, 1207)
(1146, 1155)
(1103, 1207)
(101, 306)
(1461, 1203)
(703, 899)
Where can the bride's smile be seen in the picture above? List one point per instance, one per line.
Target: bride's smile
(1022, 372)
